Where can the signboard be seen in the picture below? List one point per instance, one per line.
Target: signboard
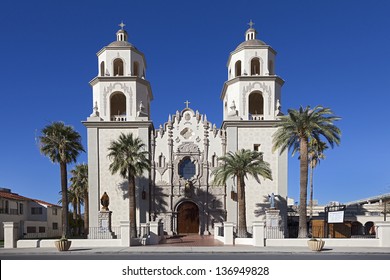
(335, 217)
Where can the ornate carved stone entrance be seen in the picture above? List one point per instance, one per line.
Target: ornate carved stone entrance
(187, 218)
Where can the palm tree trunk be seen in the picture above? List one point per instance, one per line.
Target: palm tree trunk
(86, 214)
(311, 192)
(132, 207)
(242, 230)
(78, 216)
(303, 188)
(74, 211)
(64, 188)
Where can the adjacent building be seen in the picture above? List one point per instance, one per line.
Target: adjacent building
(35, 218)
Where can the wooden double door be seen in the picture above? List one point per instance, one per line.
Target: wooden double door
(187, 218)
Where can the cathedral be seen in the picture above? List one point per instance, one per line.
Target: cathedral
(179, 189)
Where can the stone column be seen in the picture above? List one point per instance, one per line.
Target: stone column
(228, 233)
(383, 233)
(10, 234)
(125, 233)
(258, 234)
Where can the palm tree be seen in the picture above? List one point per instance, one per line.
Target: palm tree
(61, 144)
(239, 165)
(294, 131)
(130, 159)
(79, 183)
(315, 155)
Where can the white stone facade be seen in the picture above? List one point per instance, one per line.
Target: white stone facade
(184, 151)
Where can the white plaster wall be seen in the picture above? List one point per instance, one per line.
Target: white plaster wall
(128, 56)
(246, 55)
(240, 91)
(114, 185)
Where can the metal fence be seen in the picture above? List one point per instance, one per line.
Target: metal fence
(104, 233)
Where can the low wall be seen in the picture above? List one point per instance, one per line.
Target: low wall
(243, 241)
(331, 242)
(49, 243)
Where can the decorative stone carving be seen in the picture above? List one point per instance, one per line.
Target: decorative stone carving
(190, 148)
(233, 112)
(187, 132)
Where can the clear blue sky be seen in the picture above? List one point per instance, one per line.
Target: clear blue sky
(333, 53)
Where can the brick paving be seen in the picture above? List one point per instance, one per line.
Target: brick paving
(192, 240)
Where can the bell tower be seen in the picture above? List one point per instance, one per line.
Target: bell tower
(251, 99)
(120, 90)
(253, 90)
(121, 104)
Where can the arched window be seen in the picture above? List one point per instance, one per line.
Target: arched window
(255, 66)
(256, 105)
(214, 160)
(238, 68)
(118, 107)
(135, 68)
(102, 68)
(118, 67)
(161, 161)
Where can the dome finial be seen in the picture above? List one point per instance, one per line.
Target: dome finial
(250, 34)
(251, 23)
(122, 25)
(121, 34)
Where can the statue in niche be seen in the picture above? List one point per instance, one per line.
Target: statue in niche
(105, 201)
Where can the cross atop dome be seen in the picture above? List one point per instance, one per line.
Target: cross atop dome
(121, 35)
(251, 23)
(187, 103)
(122, 25)
(250, 34)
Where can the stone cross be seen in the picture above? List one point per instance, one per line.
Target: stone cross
(122, 25)
(187, 102)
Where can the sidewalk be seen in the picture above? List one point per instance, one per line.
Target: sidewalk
(187, 249)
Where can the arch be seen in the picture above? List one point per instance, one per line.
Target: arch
(161, 161)
(118, 67)
(187, 217)
(357, 228)
(118, 107)
(102, 68)
(135, 68)
(255, 66)
(256, 105)
(237, 68)
(367, 228)
(214, 160)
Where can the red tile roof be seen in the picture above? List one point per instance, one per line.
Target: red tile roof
(14, 196)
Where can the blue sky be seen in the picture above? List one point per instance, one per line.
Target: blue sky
(333, 53)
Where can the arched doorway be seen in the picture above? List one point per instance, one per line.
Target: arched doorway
(187, 218)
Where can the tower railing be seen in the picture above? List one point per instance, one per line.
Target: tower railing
(118, 118)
